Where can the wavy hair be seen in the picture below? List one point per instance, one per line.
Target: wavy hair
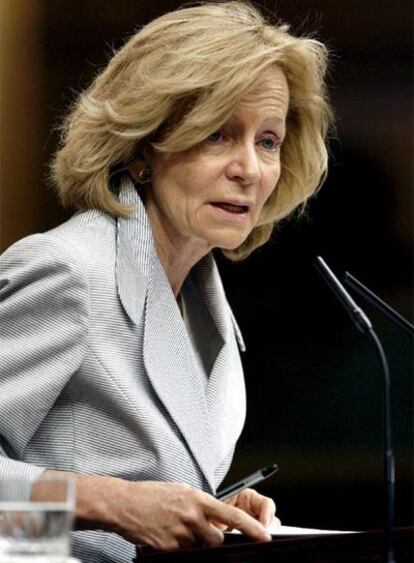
(176, 81)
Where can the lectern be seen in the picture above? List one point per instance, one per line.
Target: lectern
(345, 548)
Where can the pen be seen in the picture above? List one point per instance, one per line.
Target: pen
(248, 481)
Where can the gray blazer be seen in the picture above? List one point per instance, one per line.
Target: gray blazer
(98, 374)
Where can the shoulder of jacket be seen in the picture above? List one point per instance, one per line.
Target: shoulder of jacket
(74, 240)
(84, 223)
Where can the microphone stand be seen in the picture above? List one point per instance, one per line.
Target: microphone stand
(408, 328)
(363, 324)
(389, 462)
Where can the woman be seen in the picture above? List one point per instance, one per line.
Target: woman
(120, 362)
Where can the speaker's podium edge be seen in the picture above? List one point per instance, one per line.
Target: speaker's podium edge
(342, 548)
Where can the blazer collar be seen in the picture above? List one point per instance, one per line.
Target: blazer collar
(202, 415)
(135, 253)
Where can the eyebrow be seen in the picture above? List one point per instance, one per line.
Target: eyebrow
(273, 119)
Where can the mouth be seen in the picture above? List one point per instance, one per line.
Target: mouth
(235, 208)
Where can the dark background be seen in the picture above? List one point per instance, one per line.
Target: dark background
(313, 381)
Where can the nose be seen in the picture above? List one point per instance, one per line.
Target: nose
(244, 165)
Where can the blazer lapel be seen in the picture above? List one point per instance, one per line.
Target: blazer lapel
(171, 367)
(226, 399)
(145, 293)
(135, 249)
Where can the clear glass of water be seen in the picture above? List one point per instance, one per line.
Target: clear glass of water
(35, 520)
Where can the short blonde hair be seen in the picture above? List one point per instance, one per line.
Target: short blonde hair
(178, 80)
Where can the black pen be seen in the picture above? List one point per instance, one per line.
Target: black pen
(248, 481)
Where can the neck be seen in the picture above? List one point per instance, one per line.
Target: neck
(176, 253)
(177, 262)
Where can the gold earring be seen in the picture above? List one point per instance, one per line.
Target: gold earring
(144, 177)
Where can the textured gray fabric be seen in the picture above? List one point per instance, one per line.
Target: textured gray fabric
(98, 373)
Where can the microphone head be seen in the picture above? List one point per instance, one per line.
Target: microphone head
(358, 316)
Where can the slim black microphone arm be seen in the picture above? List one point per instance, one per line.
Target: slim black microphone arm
(363, 324)
(370, 296)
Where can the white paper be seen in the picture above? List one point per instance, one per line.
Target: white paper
(277, 530)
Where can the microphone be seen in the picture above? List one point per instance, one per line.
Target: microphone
(357, 315)
(379, 304)
(363, 324)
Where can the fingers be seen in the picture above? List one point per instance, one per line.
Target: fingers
(172, 516)
(261, 507)
(195, 520)
(182, 537)
(207, 533)
(234, 517)
(266, 508)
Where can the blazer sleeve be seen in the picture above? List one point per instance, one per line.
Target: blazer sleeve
(44, 311)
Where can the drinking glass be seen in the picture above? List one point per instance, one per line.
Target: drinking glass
(35, 520)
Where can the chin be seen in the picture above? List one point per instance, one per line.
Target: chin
(229, 240)
(231, 244)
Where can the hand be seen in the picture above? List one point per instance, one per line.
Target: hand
(260, 507)
(173, 515)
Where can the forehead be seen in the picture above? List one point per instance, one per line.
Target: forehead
(270, 92)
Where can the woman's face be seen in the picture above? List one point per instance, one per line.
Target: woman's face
(211, 195)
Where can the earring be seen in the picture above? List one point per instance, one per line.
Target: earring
(144, 177)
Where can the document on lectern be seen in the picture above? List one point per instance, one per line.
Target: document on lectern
(278, 530)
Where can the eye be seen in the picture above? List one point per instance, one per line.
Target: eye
(214, 137)
(270, 143)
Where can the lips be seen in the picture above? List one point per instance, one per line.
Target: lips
(231, 207)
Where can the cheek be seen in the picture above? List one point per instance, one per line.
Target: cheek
(171, 186)
(270, 184)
